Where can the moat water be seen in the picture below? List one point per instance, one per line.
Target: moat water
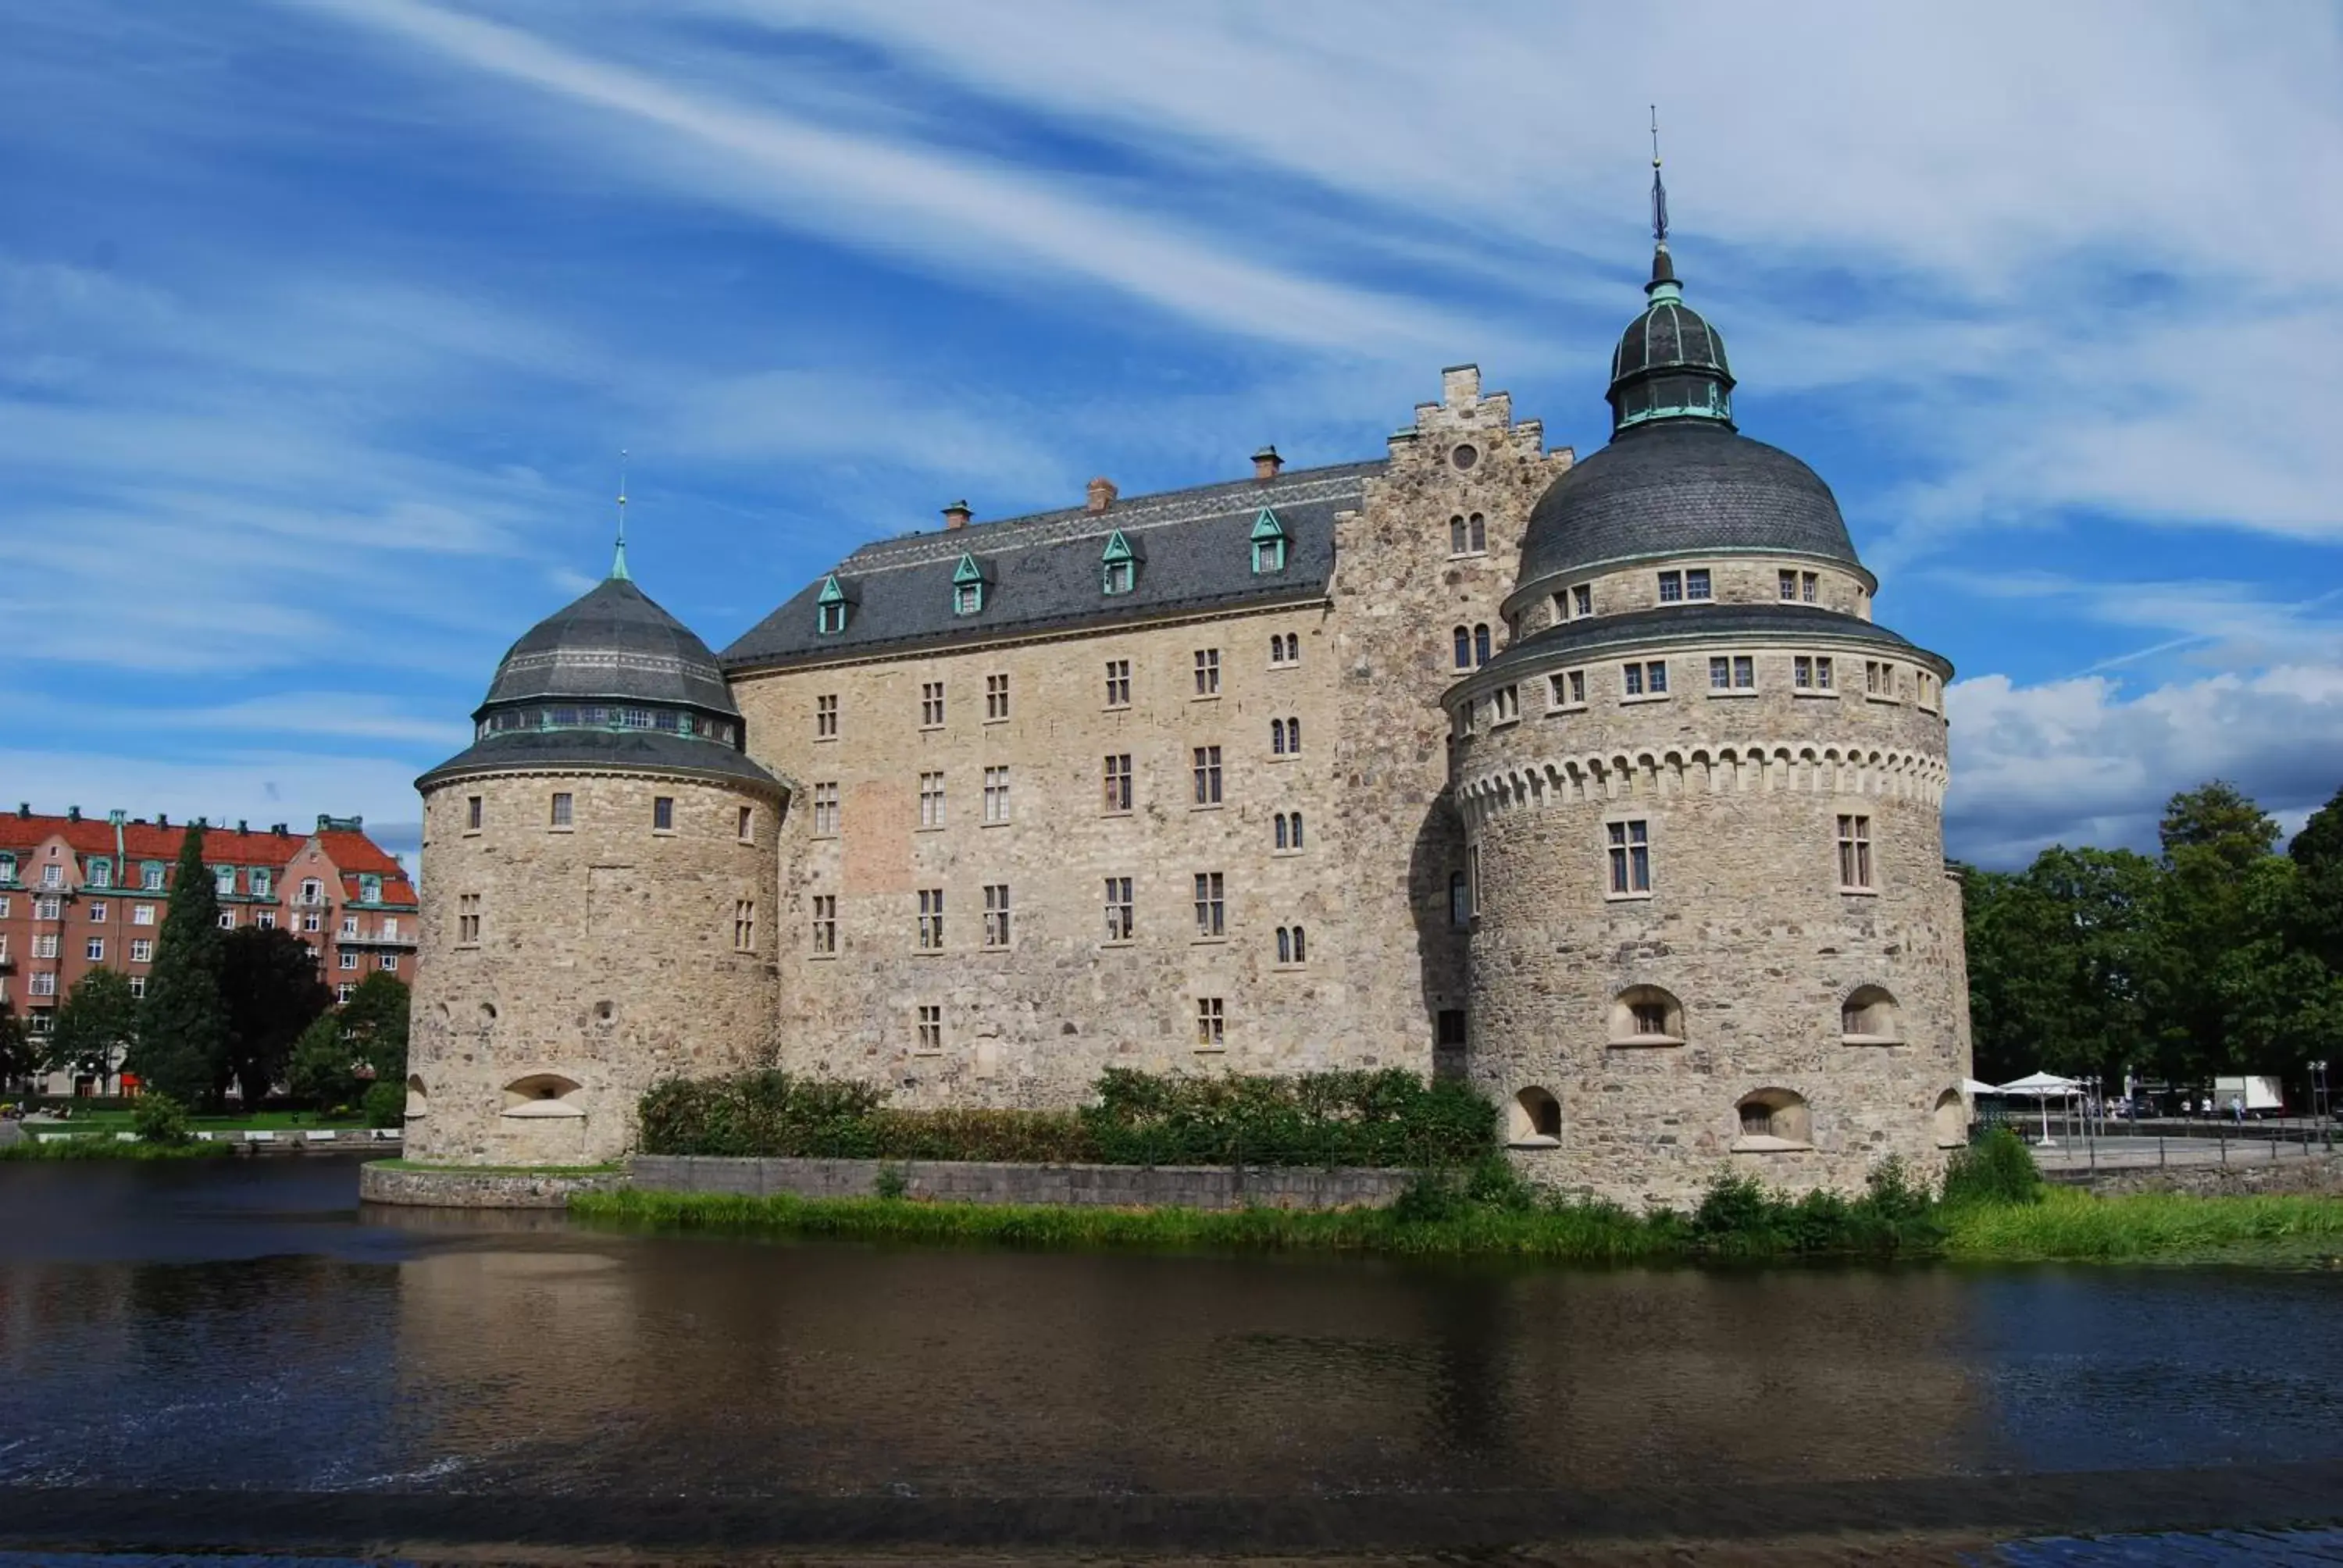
(237, 1356)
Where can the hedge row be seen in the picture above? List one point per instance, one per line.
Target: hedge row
(1390, 1118)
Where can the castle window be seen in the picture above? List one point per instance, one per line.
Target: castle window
(1567, 690)
(1211, 1023)
(1116, 781)
(1789, 587)
(1292, 947)
(1808, 582)
(662, 813)
(1774, 1119)
(1460, 901)
(1504, 705)
(996, 698)
(1118, 683)
(825, 923)
(1950, 1121)
(1289, 831)
(932, 1029)
(1648, 679)
(1479, 531)
(1879, 679)
(747, 828)
(1672, 588)
(1811, 673)
(1534, 1121)
(1472, 875)
(1737, 672)
(472, 813)
(1926, 685)
(968, 587)
(1285, 737)
(1696, 586)
(1118, 908)
(1208, 672)
(829, 608)
(1480, 644)
(1212, 908)
(1854, 854)
(1630, 858)
(1581, 598)
(1464, 639)
(1456, 535)
(932, 800)
(1448, 1028)
(931, 920)
(1284, 647)
(825, 716)
(996, 914)
(931, 705)
(468, 920)
(744, 926)
(1208, 775)
(824, 810)
(1647, 1015)
(1269, 539)
(561, 820)
(1119, 565)
(996, 794)
(1869, 1016)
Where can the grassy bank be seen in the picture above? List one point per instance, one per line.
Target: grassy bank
(105, 1146)
(2149, 1227)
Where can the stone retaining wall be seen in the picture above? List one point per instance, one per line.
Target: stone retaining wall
(969, 1181)
(2317, 1175)
(382, 1183)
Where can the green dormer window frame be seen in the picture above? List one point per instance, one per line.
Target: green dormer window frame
(369, 889)
(830, 607)
(151, 876)
(968, 587)
(262, 881)
(1268, 540)
(101, 872)
(1118, 565)
(7, 868)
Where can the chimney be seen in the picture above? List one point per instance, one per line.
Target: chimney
(24, 809)
(162, 819)
(1102, 495)
(956, 516)
(279, 829)
(73, 813)
(242, 826)
(1265, 464)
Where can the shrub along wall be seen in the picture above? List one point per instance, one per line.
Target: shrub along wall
(1390, 1118)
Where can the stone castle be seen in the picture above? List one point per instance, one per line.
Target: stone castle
(1592, 782)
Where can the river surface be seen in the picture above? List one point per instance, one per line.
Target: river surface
(235, 1356)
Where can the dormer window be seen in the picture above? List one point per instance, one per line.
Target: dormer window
(1119, 565)
(829, 607)
(370, 890)
(224, 877)
(1268, 543)
(968, 587)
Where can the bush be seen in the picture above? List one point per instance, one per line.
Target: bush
(1996, 1169)
(159, 1118)
(386, 1105)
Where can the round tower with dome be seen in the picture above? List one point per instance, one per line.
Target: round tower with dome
(601, 867)
(1713, 927)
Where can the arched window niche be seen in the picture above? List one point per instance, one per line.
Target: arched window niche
(1869, 1016)
(1773, 1119)
(542, 1095)
(1533, 1120)
(1647, 1015)
(418, 1099)
(1950, 1121)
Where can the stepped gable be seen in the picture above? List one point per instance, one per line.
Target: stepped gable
(1043, 572)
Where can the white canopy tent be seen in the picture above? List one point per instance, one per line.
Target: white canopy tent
(2043, 1087)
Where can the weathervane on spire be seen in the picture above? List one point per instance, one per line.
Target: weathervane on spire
(1659, 191)
(618, 565)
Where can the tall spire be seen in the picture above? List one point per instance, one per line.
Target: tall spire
(619, 563)
(1663, 268)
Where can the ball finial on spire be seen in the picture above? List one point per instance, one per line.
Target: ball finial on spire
(619, 562)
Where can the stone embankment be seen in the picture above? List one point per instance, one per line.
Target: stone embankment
(2318, 1175)
(453, 1187)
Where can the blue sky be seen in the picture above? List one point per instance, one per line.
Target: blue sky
(322, 323)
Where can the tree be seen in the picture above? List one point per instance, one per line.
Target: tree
(183, 1037)
(2318, 856)
(2218, 818)
(374, 1021)
(324, 1071)
(268, 979)
(17, 1058)
(97, 1024)
(2061, 958)
(2216, 901)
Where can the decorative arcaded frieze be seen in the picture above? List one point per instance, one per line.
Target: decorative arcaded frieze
(1738, 768)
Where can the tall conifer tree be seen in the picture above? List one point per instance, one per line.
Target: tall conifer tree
(183, 1029)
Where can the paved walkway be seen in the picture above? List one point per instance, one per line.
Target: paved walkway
(2126, 1152)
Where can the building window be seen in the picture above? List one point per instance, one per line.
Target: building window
(1504, 705)
(1211, 1023)
(996, 794)
(1855, 852)
(968, 587)
(94, 950)
(1808, 583)
(98, 910)
(42, 984)
(1118, 908)
(1268, 543)
(931, 920)
(1291, 946)
(825, 717)
(931, 1028)
(1737, 672)
(138, 988)
(468, 920)
(388, 963)
(150, 876)
(1568, 689)
(1868, 1015)
(7, 868)
(349, 925)
(744, 925)
(1879, 679)
(1924, 688)
(1208, 775)
(45, 945)
(1208, 672)
(140, 914)
(142, 951)
(311, 922)
(663, 813)
(472, 813)
(561, 810)
(996, 698)
(49, 908)
(746, 826)
(1649, 678)
(1463, 638)
(1647, 1015)
(1211, 911)
(1289, 830)
(931, 705)
(1468, 536)
(349, 959)
(1119, 565)
(1789, 587)
(265, 920)
(1284, 737)
(824, 810)
(1480, 644)
(1460, 900)
(1117, 781)
(1695, 585)
(996, 914)
(1118, 683)
(313, 891)
(829, 606)
(825, 922)
(932, 800)
(1811, 673)
(1631, 857)
(224, 876)
(1284, 647)
(101, 875)
(1778, 1116)
(344, 991)
(1456, 535)
(227, 920)
(55, 877)
(1672, 588)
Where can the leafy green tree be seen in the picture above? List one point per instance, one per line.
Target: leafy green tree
(324, 1070)
(2217, 905)
(2220, 819)
(374, 1021)
(269, 981)
(2062, 957)
(18, 1060)
(97, 1024)
(2318, 856)
(183, 1035)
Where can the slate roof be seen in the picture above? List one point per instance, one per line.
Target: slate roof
(1043, 571)
(622, 750)
(612, 643)
(1596, 635)
(1678, 488)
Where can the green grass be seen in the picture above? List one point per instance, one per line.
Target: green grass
(259, 1121)
(105, 1146)
(614, 1169)
(2071, 1225)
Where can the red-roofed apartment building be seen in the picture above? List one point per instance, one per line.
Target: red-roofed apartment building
(79, 893)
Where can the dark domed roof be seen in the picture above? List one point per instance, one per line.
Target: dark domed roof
(1677, 488)
(612, 643)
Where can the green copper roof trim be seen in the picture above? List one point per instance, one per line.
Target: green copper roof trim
(831, 592)
(1118, 549)
(968, 572)
(1267, 526)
